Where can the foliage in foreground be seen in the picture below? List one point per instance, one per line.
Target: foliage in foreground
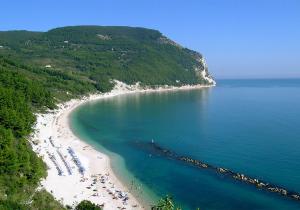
(87, 205)
(165, 203)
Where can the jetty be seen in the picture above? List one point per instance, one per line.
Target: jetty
(259, 184)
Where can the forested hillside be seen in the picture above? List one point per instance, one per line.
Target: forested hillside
(40, 69)
(20, 168)
(96, 54)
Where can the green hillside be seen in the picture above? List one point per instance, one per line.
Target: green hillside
(20, 168)
(95, 54)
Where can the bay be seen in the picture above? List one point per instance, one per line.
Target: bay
(249, 126)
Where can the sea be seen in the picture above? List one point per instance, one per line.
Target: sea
(250, 126)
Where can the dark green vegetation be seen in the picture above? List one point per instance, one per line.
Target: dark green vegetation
(62, 85)
(20, 168)
(37, 70)
(166, 203)
(87, 205)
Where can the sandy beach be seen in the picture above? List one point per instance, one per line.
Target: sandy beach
(76, 171)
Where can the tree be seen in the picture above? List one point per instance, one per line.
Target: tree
(87, 205)
(165, 203)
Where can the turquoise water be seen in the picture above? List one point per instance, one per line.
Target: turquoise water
(249, 126)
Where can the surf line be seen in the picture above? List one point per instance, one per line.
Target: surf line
(226, 172)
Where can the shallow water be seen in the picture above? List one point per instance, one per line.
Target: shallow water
(249, 126)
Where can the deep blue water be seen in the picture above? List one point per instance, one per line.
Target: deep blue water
(249, 126)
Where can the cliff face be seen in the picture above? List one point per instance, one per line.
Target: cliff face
(200, 67)
(202, 71)
(97, 54)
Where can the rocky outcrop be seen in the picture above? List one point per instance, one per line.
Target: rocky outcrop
(103, 37)
(201, 70)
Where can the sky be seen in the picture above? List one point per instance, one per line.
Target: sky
(238, 38)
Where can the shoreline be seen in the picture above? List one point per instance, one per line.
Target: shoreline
(52, 139)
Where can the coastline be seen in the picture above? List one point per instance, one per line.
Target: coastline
(99, 184)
